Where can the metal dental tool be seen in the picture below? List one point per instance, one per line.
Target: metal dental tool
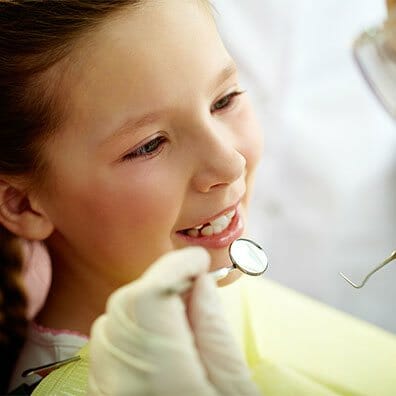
(246, 256)
(44, 370)
(358, 286)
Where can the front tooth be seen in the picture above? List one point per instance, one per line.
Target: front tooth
(231, 214)
(193, 232)
(207, 231)
(220, 221)
(198, 227)
(217, 229)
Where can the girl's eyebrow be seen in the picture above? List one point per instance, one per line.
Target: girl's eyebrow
(132, 124)
(225, 74)
(135, 123)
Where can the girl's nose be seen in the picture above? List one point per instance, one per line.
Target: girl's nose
(219, 163)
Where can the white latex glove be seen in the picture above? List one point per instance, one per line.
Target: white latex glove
(149, 342)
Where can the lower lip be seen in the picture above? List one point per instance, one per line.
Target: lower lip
(218, 241)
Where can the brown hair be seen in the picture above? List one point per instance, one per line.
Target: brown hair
(34, 35)
(12, 305)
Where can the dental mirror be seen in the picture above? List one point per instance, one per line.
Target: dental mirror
(246, 256)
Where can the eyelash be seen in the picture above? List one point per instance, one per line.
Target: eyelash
(229, 100)
(147, 150)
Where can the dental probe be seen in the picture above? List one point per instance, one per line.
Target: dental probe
(361, 284)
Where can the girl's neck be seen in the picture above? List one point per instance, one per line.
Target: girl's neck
(74, 301)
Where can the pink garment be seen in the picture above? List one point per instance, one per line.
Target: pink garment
(37, 274)
(43, 345)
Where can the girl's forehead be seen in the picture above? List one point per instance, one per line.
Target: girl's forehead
(145, 58)
(156, 39)
(155, 19)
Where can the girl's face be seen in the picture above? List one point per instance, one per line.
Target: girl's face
(158, 139)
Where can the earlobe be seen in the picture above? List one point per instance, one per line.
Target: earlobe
(22, 214)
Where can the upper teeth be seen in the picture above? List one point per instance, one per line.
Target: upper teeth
(216, 226)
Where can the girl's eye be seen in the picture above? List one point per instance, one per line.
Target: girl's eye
(225, 101)
(146, 150)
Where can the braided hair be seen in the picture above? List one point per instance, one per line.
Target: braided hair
(13, 322)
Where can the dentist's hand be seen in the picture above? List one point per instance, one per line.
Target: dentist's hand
(149, 342)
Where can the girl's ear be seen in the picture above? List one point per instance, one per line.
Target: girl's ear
(22, 214)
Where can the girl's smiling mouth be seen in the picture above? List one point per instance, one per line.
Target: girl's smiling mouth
(217, 233)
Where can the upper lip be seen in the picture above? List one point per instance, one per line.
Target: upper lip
(209, 219)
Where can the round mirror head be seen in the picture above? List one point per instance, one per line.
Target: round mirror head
(248, 257)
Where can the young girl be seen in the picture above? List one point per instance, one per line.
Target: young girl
(131, 130)
(125, 135)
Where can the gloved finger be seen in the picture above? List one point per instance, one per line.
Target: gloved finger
(148, 347)
(121, 358)
(211, 329)
(177, 267)
(114, 363)
(219, 352)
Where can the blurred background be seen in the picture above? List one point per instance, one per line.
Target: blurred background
(325, 198)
